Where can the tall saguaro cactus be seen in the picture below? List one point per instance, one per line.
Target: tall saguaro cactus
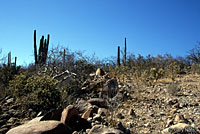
(118, 56)
(41, 56)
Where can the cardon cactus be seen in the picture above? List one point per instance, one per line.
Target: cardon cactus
(41, 56)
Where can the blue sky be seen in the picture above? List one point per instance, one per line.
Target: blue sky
(99, 26)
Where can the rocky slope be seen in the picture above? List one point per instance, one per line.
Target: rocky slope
(118, 107)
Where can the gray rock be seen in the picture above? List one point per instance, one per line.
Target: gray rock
(180, 128)
(11, 100)
(12, 120)
(3, 130)
(100, 129)
(2, 122)
(110, 88)
(5, 116)
(98, 102)
(82, 105)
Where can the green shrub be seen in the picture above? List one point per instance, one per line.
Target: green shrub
(36, 92)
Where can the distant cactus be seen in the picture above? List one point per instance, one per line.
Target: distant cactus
(124, 62)
(41, 57)
(118, 56)
(10, 64)
(9, 59)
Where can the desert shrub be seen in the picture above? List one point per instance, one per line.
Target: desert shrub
(172, 70)
(83, 69)
(195, 68)
(7, 73)
(37, 92)
(172, 88)
(149, 77)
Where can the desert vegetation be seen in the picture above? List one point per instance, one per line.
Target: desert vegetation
(57, 76)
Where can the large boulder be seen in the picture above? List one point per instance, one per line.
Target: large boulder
(110, 88)
(41, 127)
(68, 113)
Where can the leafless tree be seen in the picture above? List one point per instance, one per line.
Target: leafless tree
(194, 54)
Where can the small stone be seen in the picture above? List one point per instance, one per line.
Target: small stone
(175, 106)
(18, 114)
(120, 116)
(179, 118)
(97, 117)
(102, 111)
(75, 132)
(100, 72)
(88, 113)
(5, 116)
(3, 130)
(11, 100)
(132, 113)
(12, 120)
(2, 122)
(121, 127)
(169, 123)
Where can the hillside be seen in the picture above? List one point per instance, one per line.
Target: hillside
(135, 108)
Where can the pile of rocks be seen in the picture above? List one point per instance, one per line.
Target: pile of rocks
(9, 114)
(84, 117)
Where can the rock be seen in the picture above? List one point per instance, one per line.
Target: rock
(75, 132)
(98, 102)
(100, 129)
(18, 114)
(35, 120)
(120, 126)
(14, 107)
(68, 113)
(120, 116)
(169, 122)
(9, 101)
(180, 128)
(12, 120)
(3, 130)
(53, 115)
(110, 88)
(100, 72)
(88, 113)
(5, 116)
(97, 117)
(2, 122)
(79, 124)
(175, 106)
(132, 113)
(82, 105)
(102, 111)
(47, 127)
(179, 119)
